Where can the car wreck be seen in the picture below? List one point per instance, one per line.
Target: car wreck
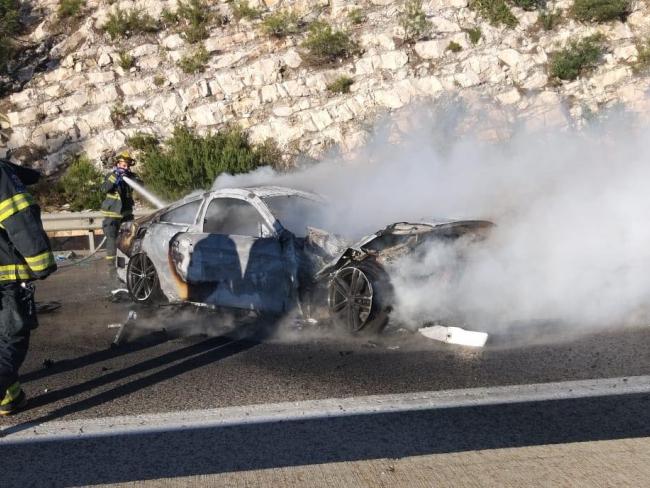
(256, 249)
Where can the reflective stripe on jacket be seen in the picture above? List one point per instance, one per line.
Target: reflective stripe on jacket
(118, 202)
(25, 252)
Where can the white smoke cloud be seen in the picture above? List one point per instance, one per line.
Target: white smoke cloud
(572, 209)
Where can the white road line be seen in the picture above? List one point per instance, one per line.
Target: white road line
(311, 409)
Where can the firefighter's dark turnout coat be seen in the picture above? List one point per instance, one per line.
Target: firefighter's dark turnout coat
(25, 252)
(118, 203)
(25, 255)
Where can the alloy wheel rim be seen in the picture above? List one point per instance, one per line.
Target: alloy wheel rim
(142, 277)
(350, 297)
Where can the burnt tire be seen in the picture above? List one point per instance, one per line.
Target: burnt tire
(360, 298)
(142, 280)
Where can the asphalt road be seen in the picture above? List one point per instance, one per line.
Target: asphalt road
(202, 360)
(180, 360)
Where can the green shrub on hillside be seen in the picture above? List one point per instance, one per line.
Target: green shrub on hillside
(241, 9)
(9, 26)
(548, 19)
(642, 64)
(125, 23)
(601, 10)
(356, 16)
(194, 62)
(341, 85)
(529, 4)
(81, 185)
(125, 60)
(454, 47)
(414, 22)
(497, 12)
(70, 8)
(195, 17)
(326, 45)
(577, 58)
(474, 34)
(188, 162)
(142, 141)
(282, 23)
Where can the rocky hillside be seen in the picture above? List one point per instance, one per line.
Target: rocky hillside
(101, 85)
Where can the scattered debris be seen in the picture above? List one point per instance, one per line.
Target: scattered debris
(392, 348)
(119, 295)
(115, 325)
(47, 307)
(64, 255)
(120, 332)
(455, 335)
(345, 353)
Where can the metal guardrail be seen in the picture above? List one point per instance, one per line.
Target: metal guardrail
(77, 221)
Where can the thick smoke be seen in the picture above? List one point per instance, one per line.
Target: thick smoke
(572, 208)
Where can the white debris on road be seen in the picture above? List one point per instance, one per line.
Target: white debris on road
(455, 335)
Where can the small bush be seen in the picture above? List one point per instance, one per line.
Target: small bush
(454, 47)
(474, 34)
(577, 58)
(326, 45)
(159, 80)
(168, 17)
(269, 154)
(642, 64)
(125, 60)
(414, 22)
(9, 26)
(142, 141)
(188, 162)
(341, 85)
(81, 185)
(601, 10)
(195, 17)
(125, 23)
(356, 16)
(497, 12)
(241, 9)
(529, 4)
(120, 114)
(195, 62)
(70, 8)
(282, 24)
(549, 19)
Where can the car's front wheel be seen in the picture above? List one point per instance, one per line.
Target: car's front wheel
(359, 297)
(142, 280)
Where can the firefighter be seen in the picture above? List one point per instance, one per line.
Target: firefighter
(118, 204)
(25, 255)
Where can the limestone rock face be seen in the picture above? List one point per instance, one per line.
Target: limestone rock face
(274, 88)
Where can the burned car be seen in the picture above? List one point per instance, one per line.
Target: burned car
(249, 248)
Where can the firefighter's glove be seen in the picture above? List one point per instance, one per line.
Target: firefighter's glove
(119, 172)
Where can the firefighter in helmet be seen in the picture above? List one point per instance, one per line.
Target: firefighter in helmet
(118, 204)
(25, 255)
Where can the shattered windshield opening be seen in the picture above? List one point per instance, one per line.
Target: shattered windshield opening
(296, 213)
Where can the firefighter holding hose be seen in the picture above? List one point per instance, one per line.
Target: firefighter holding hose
(118, 204)
(25, 255)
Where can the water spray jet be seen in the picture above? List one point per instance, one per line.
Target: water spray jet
(150, 197)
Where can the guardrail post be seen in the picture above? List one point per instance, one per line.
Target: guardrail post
(91, 241)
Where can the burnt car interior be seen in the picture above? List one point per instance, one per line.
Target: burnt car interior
(231, 216)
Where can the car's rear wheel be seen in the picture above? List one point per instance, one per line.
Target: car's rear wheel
(359, 298)
(142, 280)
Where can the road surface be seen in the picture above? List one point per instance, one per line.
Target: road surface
(177, 361)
